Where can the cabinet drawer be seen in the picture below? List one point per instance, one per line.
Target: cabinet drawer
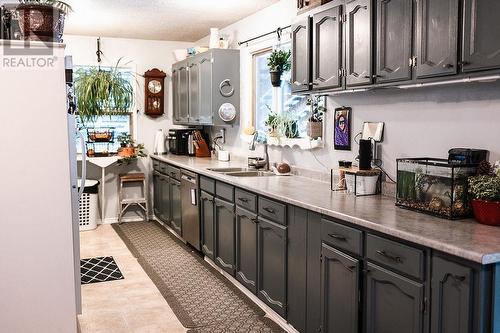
(401, 257)
(156, 165)
(224, 191)
(341, 236)
(272, 210)
(162, 167)
(246, 200)
(207, 184)
(174, 172)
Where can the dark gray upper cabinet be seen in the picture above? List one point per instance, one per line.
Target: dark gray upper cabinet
(394, 304)
(183, 92)
(394, 40)
(481, 43)
(225, 235)
(175, 94)
(436, 37)
(194, 92)
(451, 297)
(340, 282)
(246, 249)
(205, 89)
(358, 42)
(327, 48)
(175, 206)
(272, 259)
(207, 224)
(301, 56)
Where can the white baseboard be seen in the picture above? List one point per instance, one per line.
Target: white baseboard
(270, 313)
(111, 220)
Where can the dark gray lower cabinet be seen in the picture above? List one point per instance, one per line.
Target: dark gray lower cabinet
(246, 249)
(451, 297)
(394, 304)
(225, 235)
(313, 272)
(175, 206)
(207, 224)
(272, 260)
(340, 281)
(157, 183)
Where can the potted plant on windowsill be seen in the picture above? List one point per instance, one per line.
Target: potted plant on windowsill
(315, 122)
(126, 158)
(126, 145)
(485, 191)
(278, 63)
(102, 92)
(42, 20)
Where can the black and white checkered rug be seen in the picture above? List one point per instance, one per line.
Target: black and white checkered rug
(100, 269)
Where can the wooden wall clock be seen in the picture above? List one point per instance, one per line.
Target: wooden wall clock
(154, 86)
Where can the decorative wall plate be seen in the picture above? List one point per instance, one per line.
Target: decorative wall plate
(227, 112)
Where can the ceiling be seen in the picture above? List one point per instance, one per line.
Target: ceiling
(174, 20)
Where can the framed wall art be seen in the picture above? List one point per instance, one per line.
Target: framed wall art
(342, 129)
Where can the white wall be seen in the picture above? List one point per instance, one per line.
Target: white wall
(142, 55)
(419, 122)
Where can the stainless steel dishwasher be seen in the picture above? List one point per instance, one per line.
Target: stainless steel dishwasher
(190, 212)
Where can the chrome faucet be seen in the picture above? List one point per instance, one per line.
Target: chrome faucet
(253, 143)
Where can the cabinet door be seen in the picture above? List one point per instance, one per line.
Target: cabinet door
(436, 37)
(205, 79)
(451, 297)
(272, 265)
(175, 206)
(224, 235)
(157, 194)
(207, 224)
(358, 42)
(313, 272)
(194, 92)
(327, 49)
(183, 91)
(394, 304)
(165, 199)
(481, 44)
(246, 249)
(394, 40)
(175, 94)
(301, 56)
(339, 291)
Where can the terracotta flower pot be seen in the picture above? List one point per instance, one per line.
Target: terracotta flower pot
(41, 23)
(126, 152)
(275, 78)
(487, 212)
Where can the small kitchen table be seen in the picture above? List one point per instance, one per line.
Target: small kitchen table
(103, 163)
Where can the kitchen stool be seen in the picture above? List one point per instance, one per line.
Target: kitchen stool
(142, 202)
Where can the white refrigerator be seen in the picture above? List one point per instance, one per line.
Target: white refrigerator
(39, 240)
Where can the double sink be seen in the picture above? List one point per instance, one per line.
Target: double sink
(242, 172)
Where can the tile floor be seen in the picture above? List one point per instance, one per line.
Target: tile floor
(132, 305)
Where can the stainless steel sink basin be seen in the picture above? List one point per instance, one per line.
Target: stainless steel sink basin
(250, 174)
(226, 170)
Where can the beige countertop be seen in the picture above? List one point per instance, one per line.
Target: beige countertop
(463, 238)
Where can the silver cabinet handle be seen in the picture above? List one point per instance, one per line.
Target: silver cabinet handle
(223, 84)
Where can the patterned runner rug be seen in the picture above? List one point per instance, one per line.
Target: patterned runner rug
(202, 299)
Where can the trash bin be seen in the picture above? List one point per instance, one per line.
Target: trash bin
(87, 206)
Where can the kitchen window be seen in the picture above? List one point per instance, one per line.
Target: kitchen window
(278, 99)
(118, 124)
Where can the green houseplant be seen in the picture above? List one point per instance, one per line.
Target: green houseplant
(278, 63)
(485, 192)
(102, 92)
(42, 20)
(315, 121)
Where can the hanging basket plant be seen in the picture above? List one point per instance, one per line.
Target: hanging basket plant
(103, 92)
(42, 20)
(278, 63)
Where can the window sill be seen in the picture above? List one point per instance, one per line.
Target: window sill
(300, 143)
